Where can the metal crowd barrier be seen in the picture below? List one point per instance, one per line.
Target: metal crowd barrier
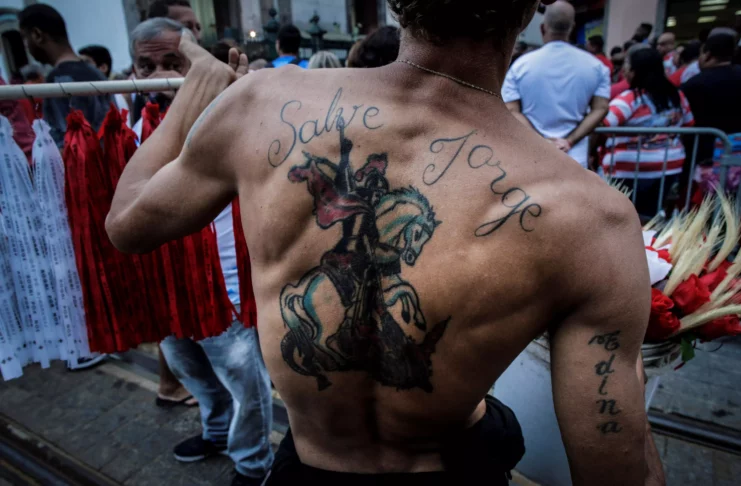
(728, 160)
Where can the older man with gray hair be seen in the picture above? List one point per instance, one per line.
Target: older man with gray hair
(154, 54)
(225, 373)
(559, 91)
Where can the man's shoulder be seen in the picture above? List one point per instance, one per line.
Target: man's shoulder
(585, 206)
(584, 226)
(74, 71)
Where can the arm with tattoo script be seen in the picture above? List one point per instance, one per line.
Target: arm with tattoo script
(172, 187)
(598, 396)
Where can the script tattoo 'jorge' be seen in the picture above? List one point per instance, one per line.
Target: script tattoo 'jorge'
(607, 406)
(380, 328)
(517, 203)
(306, 131)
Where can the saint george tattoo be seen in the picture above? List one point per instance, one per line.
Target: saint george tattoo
(382, 230)
(604, 370)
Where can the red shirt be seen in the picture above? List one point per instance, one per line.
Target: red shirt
(676, 78)
(605, 61)
(618, 88)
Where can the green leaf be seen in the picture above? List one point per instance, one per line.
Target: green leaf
(688, 349)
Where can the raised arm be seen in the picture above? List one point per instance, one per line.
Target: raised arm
(179, 180)
(597, 393)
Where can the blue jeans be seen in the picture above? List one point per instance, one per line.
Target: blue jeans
(228, 377)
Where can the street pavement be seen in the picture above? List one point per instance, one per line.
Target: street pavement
(105, 418)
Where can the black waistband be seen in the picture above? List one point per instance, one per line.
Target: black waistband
(488, 450)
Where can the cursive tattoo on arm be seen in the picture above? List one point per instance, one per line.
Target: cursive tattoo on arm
(606, 406)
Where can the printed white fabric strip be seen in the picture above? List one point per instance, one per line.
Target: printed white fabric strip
(40, 297)
(72, 342)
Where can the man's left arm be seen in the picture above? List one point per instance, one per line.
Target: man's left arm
(598, 110)
(178, 181)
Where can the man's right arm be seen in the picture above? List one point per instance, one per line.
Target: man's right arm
(513, 98)
(594, 350)
(515, 107)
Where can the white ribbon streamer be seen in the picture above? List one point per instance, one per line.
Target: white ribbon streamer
(39, 259)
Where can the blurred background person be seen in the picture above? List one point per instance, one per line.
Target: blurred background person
(617, 57)
(623, 85)
(666, 44)
(45, 34)
(378, 49)
(651, 102)
(100, 57)
(179, 11)
(324, 59)
(596, 47)
(642, 33)
(288, 46)
(559, 91)
(715, 94)
(688, 65)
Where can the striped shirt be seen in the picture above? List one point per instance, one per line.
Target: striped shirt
(629, 110)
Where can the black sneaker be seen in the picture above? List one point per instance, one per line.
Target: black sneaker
(197, 449)
(242, 480)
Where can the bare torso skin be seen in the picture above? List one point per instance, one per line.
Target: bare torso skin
(472, 237)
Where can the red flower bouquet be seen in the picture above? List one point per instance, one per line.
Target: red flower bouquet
(696, 289)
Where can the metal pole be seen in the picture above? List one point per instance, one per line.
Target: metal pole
(638, 165)
(91, 88)
(692, 172)
(663, 177)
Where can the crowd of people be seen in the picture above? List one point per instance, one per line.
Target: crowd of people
(565, 95)
(560, 92)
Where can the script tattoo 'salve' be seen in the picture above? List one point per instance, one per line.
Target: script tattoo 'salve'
(305, 132)
(605, 405)
(517, 203)
(382, 230)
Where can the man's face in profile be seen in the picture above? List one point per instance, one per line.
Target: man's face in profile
(187, 17)
(34, 39)
(160, 57)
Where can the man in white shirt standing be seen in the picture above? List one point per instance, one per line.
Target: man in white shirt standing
(560, 91)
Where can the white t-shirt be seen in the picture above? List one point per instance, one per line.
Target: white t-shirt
(228, 253)
(555, 86)
(225, 241)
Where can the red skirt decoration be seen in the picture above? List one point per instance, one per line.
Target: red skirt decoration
(176, 290)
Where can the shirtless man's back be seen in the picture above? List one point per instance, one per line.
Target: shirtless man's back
(409, 238)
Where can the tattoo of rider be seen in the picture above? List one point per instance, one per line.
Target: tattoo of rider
(604, 369)
(199, 120)
(382, 331)
(517, 203)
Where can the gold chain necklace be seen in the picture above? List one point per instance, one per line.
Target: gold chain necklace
(443, 75)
